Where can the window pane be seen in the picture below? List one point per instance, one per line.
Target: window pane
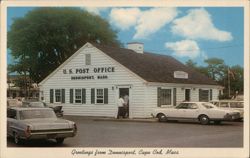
(78, 95)
(57, 95)
(99, 96)
(166, 96)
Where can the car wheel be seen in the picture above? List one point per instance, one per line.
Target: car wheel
(204, 120)
(162, 118)
(59, 140)
(17, 139)
(217, 122)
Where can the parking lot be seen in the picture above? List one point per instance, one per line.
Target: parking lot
(112, 133)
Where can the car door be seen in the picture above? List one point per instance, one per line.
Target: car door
(192, 111)
(11, 120)
(180, 111)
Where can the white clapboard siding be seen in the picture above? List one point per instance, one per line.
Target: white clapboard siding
(121, 76)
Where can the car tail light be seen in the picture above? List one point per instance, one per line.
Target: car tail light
(75, 128)
(27, 131)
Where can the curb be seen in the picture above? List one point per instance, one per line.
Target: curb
(126, 120)
(72, 117)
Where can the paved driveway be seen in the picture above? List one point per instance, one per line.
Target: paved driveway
(108, 133)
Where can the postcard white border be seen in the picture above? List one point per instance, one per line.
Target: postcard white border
(66, 152)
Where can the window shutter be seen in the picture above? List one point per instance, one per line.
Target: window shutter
(63, 95)
(51, 95)
(174, 96)
(83, 96)
(106, 96)
(159, 97)
(92, 95)
(200, 94)
(71, 96)
(211, 94)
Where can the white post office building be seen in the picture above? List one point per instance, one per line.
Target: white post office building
(90, 82)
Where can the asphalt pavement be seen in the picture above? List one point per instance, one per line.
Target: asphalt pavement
(109, 132)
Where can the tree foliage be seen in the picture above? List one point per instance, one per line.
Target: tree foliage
(45, 37)
(225, 75)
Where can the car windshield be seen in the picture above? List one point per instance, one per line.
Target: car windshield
(37, 113)
(208, 105)
(37, 104)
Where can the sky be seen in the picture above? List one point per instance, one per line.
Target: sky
(195, 33)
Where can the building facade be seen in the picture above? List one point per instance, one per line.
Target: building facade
(91, 81)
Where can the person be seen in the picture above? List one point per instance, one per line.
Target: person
(120, 105)
(19, 102)
(126, 105)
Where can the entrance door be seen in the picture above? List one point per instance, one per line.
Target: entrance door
(187, 94)
(124, 92)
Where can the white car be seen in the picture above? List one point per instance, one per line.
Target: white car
(203, 112)
(38, 123)
(231, 104)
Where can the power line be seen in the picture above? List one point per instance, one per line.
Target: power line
(208, 48)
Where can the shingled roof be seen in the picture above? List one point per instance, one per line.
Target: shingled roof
(154, 67)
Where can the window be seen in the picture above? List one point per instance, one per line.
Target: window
(78, 96)
(208, 105)
(58, 96)
(192, 106)
(99, 96)
(11, 113)
(88, 59)
(204, 95)
(182, 106)
(166, 97)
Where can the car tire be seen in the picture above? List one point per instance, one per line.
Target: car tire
(204, 120)
(162, 118)
(217, 122)
(17, 139)
(59, 140)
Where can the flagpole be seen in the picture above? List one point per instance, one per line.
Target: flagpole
(228, 82)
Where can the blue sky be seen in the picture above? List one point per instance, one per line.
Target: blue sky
(195, 33)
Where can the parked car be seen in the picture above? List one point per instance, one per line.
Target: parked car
(37, 123)
(14, 102)
(38, 104)
(203, 112)
(231, 104)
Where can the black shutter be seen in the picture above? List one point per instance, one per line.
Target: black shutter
(159, 97)
(174, 96)
(211, 94)
(92, 95)
(71, 96)
(106, 96)
(63, 95)
(83, 96)
(200, 91)
(51, 96)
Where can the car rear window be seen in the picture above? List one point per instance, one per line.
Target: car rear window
(236, 105)
(36, 113)
(208, 105)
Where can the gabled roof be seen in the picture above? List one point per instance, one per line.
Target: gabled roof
(154, 67)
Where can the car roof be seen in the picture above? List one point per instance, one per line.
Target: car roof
(193, 102)
(28, 108)
(226, 101)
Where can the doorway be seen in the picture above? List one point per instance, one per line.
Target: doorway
(187, 94)
(124, 92)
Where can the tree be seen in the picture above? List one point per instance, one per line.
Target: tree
(45, 37)
(191, 64)
(215, 68)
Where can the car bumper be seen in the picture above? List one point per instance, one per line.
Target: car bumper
(232, 117)
(50, 135)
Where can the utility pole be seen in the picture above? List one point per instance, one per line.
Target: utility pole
(229, 91)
